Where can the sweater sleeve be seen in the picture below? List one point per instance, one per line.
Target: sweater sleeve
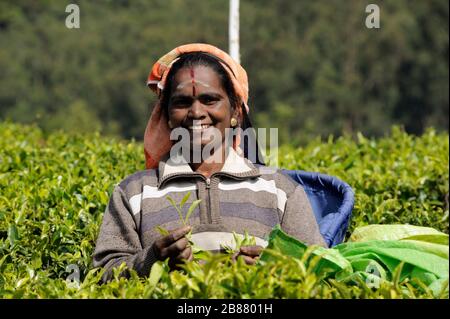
(119, 240)
(298, 219)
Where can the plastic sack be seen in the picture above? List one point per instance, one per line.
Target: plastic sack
(373, 254)
(398, 232)
(330, 262)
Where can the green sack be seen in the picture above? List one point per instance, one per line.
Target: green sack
(422, 251)
(419, 261)
(398, 232)
(330, 262)
(424, 239)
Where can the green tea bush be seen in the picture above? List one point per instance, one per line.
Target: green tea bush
(54, 189)
(399, 179)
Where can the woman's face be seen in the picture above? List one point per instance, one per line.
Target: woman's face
(199, 103)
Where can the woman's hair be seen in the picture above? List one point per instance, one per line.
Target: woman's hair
(195, 59)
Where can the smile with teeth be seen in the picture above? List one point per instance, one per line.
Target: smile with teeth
(199, 127)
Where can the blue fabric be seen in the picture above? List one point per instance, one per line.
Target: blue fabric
(332, 201)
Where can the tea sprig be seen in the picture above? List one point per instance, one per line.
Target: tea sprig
(196, 251)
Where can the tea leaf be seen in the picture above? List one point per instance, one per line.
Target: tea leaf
(191, 209)
(185, 198)
(162, 230)
(155, 274)
(174, 204)
(13, 234)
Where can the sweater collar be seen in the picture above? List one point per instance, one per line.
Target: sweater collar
(235, 166)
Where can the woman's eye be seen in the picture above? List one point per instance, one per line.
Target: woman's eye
(180, 102)
(209, 101)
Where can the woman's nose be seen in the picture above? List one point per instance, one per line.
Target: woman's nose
(197, 110)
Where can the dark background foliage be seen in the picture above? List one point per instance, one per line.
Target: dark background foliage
(314, 67)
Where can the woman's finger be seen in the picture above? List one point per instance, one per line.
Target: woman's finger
(191, 256)
(251, 250)
(177, 247)
(248, 260)
(161, 245)
(172, 237)
(175, 235)
(185, 254)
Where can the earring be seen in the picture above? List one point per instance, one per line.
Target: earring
(233, 122)
(170, 124)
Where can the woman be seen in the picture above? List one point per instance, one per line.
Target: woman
(201, 90)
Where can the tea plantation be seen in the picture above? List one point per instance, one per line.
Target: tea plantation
(54, 189)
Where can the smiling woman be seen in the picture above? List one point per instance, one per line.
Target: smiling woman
(200, 98)
(201, 89)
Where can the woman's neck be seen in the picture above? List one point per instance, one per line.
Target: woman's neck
(208, 167)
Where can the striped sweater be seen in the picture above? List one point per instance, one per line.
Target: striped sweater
(241, 197)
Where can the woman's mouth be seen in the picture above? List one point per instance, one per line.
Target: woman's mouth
(199, 127)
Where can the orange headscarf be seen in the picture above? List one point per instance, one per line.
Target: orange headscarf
(157, 141)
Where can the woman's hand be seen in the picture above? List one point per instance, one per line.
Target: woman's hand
(174, 246)
(249, 253)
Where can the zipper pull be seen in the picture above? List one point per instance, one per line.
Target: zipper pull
(208, 183)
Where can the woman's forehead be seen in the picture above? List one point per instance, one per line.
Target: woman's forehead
(199, 74)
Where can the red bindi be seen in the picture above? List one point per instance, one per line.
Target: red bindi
(193, 81)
